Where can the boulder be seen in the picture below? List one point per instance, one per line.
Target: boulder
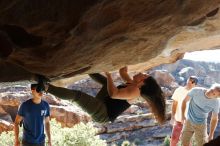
(5, 126)
(76, 38)
(69, 116)
(164, 78)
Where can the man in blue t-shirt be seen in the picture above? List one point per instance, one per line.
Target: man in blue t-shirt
(201, 102)
(34, 113)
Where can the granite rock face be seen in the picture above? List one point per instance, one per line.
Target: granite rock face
(64, 112)
(65, 38)
(137, 123)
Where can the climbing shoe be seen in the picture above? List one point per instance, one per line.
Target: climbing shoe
(42, 81)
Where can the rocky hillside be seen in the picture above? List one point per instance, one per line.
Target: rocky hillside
(208, 73)
(11, 97)
(136, 124)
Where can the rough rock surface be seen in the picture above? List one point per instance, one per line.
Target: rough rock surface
(65, 38)
(69, 116)
(139, 128)
(5, 126)
(208, 73)
(10, 98)
(136, 124)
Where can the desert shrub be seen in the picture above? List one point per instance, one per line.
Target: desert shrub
(136, 142)
(125, 143)
(7, 138)
(166, 141)
(80, 135)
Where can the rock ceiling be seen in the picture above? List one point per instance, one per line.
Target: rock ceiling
(67, 38)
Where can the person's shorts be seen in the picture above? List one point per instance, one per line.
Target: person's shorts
(24, 143)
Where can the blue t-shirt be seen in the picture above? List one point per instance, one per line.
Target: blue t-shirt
(200, 106)
(33, 118)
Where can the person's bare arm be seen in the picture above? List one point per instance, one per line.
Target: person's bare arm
(47, 128)
(184, 107)
(112, 89)
(16, 129)
(213, 124)
(124, 75)
(173, 111)
(124, 93)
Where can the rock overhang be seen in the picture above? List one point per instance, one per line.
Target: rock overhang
(69, 39)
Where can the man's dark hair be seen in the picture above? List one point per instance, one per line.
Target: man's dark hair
(194, 79)
(153, 94)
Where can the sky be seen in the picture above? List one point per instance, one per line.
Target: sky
(207, 55)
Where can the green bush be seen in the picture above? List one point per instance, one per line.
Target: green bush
(167, 141)
(7, 138)
(125, 143)
(80, 135)
(136, 142)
